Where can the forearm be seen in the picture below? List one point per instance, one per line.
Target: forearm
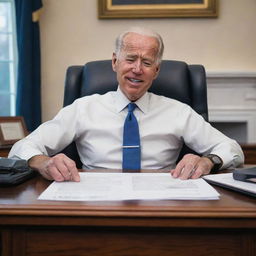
(38, 162)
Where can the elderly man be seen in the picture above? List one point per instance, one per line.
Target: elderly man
(103, 126)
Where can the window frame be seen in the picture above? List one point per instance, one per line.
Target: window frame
(13, 59)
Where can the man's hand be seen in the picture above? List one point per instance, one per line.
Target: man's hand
(58, 167)
(192, 167)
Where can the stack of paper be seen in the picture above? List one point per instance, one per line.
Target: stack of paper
(129, 186)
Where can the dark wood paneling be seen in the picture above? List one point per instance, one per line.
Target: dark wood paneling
(126, 242)
(4, 151)
(249, 153)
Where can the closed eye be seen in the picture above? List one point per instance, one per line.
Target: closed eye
(147, 64)
(130, 60)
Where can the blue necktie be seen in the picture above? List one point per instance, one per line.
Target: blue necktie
(131, 141)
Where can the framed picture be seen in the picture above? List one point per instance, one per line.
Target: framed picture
(109, 9)
(12, 129)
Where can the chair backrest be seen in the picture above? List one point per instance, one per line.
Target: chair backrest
(176, 79)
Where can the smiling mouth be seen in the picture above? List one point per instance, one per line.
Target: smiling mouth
(133, 80)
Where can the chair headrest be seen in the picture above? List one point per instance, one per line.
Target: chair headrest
(172, 81)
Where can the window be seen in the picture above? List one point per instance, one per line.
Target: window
(8, 58)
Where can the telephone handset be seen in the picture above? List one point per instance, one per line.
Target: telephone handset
(14, 171)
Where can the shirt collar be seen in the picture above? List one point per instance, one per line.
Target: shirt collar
(121, 101)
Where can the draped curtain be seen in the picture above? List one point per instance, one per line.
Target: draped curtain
(28, 103)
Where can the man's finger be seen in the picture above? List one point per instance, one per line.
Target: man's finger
(197, 174)
(55, 173)
(73, 171)
(177, 171)
(187, 172)
(58, 164)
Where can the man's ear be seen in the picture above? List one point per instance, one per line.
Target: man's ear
(114, 60)
(157, 71)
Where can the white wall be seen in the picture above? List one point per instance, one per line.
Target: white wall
(72, 34)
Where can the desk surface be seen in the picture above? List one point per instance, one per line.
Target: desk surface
(30, 227)
(21, 201)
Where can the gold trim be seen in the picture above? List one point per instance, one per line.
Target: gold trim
(106, 10)
(156, 6)
(36, 15)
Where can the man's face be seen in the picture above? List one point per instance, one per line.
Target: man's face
(136, 67)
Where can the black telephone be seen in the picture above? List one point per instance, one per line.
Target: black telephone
(246, 174)
(14, 171)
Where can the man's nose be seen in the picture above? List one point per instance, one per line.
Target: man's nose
(137, 67)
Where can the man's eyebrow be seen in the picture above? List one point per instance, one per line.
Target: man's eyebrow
(144, 58)
(136, 55)
(131, 55)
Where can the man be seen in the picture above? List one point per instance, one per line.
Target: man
(96, 124)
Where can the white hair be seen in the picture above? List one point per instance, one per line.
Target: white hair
(141, 31)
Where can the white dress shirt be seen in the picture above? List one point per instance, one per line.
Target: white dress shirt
(96, 122)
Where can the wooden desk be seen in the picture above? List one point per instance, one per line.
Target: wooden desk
(135, 228)
(249, 153)
(4, 150)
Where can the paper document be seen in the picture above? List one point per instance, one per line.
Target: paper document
(226, 180)
(129, 186)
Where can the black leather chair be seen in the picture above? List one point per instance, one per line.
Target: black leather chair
(177, 80)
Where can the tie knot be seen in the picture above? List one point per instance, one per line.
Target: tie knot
(131, 107)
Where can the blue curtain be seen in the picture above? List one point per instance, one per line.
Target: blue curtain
(28, 103)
